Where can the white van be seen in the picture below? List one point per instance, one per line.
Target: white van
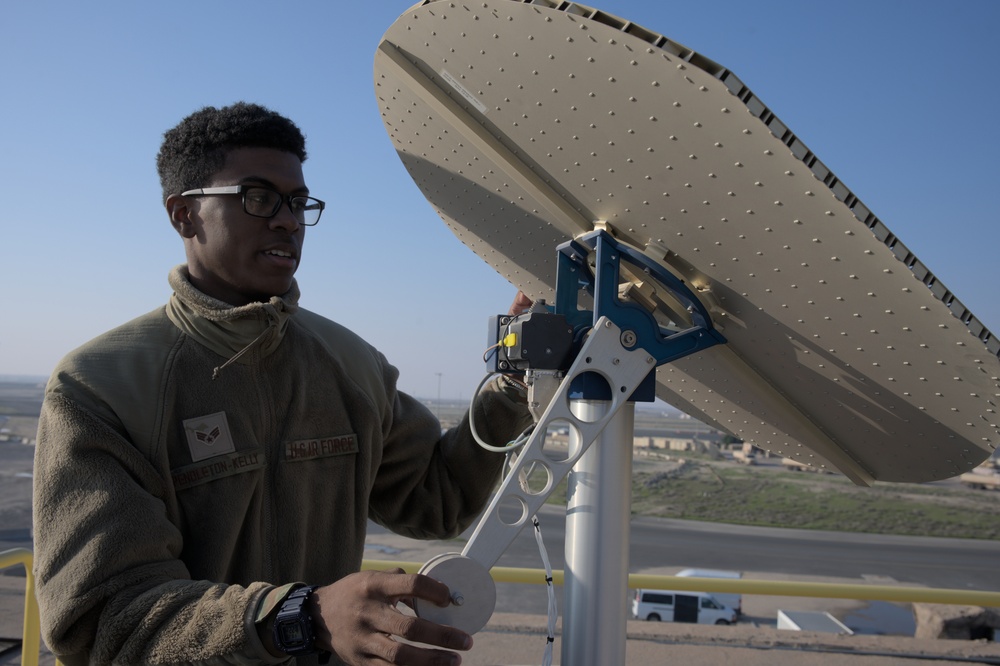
(674, 606)
(733, 600)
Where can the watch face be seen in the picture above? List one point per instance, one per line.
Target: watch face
(291, 634)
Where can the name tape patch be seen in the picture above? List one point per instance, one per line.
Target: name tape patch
(322, 447)
(217, 468)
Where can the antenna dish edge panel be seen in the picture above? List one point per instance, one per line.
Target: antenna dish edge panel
(524, 124)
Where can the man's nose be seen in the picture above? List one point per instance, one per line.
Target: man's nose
(285, 218)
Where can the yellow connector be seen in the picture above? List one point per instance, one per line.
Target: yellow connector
(510, 340)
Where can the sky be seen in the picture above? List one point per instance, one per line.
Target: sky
(898, 97)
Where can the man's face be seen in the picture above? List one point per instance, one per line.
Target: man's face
(233, 256)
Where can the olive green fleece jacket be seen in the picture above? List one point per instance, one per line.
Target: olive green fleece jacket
(199, 455)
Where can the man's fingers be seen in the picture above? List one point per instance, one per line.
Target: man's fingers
(360, 621)
(404, 587)
(521, 303)
(409, 654)
(414, 633)
(419, 630)
(383, 649)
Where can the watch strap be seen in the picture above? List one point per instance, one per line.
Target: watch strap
(295, 604)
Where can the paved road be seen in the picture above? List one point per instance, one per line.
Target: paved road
(658, 544)
(661, 542)
(947, 563)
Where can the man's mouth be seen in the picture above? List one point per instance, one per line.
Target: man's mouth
(281, 259)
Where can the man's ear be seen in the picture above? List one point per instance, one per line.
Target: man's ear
(181, 215)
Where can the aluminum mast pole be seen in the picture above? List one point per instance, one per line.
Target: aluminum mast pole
(598, 512)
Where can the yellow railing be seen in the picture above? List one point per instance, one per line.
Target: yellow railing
(742, 586)
(31, 641)
(31, 636)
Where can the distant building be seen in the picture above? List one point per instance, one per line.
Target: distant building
(675, 444)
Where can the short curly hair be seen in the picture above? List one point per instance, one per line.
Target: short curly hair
(196, 149)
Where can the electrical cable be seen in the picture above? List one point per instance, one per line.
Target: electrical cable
(553, 613)
(515, 443)
(492, 349)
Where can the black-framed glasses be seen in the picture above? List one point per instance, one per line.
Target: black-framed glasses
(262, 201)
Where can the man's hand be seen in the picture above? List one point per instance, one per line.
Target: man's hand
(356, 619)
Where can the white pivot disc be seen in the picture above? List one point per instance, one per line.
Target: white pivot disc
(473, 593)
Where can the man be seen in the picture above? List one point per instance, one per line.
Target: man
(198, 466)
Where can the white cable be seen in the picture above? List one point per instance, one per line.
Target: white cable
(553, 612)
(515, 443)
(521, 439)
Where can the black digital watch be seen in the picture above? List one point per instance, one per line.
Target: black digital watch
(293, 626)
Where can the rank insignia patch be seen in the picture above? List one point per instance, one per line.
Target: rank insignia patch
(208, 436)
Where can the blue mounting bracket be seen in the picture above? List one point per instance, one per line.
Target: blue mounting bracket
(574, 273)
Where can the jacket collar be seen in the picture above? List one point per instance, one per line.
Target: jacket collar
(230, 331)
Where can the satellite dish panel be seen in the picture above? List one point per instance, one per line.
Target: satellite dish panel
(526, 124)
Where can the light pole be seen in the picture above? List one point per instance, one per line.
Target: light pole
(438, 406)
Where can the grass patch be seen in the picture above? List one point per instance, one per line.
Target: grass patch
(744, 496)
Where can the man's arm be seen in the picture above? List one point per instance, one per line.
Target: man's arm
(431, 484)
(110, 584)
(428, 485)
